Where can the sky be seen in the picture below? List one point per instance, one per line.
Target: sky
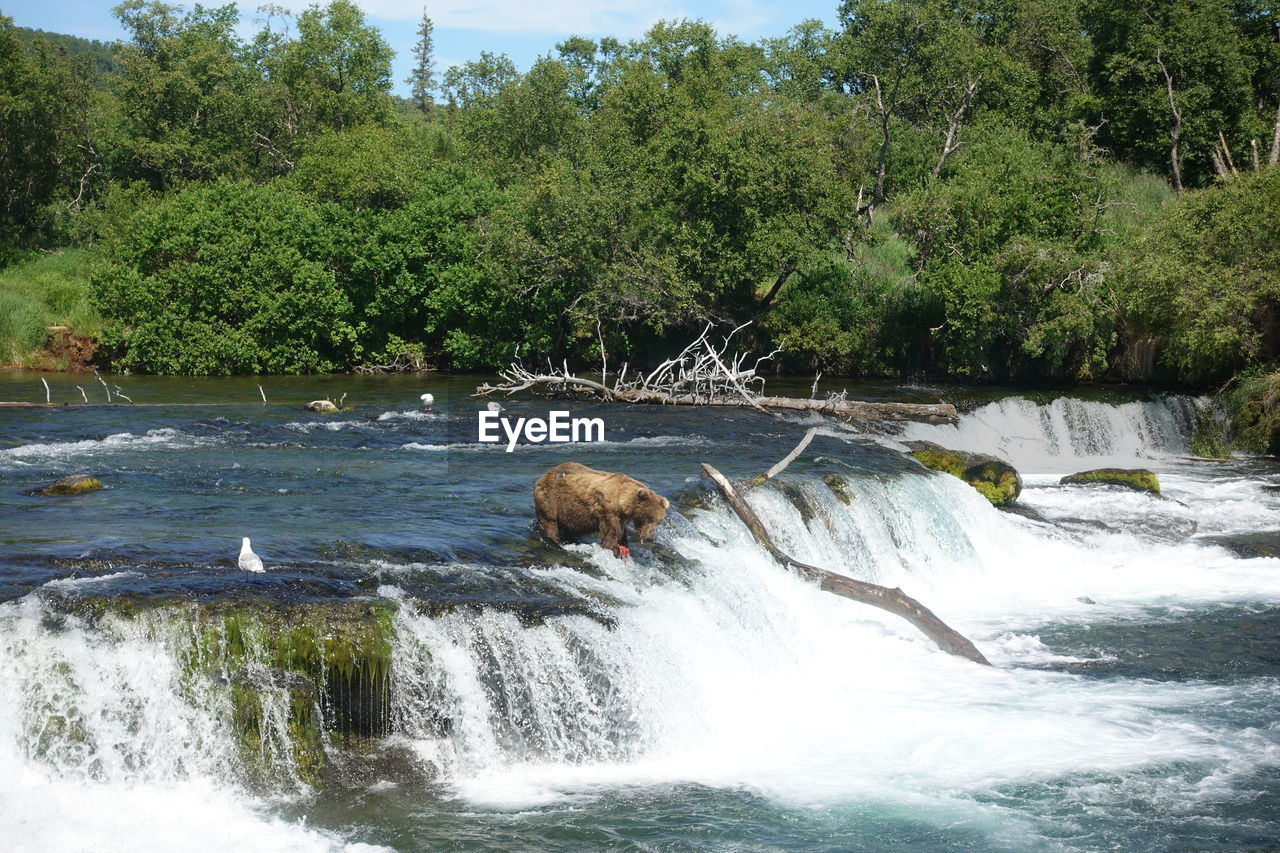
(522, 29)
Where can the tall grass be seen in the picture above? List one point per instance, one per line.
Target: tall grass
(50, 290)
(1137, 197)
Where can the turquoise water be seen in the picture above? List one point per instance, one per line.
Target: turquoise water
(696, 697)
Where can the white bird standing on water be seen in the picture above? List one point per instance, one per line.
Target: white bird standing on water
(494, 407)
(427, 401)
(250, 561)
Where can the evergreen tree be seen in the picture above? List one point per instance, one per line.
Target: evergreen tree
(422, 78)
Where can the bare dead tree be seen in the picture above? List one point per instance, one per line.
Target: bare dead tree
(1175, 127)
(1227, 159)
(951, 143)
(1275, 136)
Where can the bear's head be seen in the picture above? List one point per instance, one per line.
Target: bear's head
(647, 511)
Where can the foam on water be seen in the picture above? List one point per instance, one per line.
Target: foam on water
(60, 451)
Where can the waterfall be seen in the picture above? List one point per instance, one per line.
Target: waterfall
(701, 662)
(1080, 433)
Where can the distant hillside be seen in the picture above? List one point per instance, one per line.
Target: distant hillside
(100, 54)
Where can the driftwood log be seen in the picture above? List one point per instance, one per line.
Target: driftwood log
(893, 600)
(706, 375)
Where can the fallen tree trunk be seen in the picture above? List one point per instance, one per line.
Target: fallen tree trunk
(704, 375)
(894, 600)
(930, 413)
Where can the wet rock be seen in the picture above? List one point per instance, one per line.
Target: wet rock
(1264, 543)
(839, 487)
(797, 498)
(76, 484)
(1026, 512)
(326, 406)
(993, 478)
(1138, 479)
(360, 764)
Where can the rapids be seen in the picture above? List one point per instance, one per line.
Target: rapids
(697, 697)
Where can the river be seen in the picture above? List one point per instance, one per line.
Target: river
(695, 697)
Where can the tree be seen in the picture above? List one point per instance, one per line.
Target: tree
(422, 79)
(921, 68)
(1206, 277)
(229, 278)
(1170, 77)
(192, 107)
(1009, 244)
(336, 73)
(44, 150)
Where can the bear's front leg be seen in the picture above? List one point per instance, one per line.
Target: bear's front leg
(613, 533)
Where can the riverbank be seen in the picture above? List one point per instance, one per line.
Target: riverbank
(47, 318)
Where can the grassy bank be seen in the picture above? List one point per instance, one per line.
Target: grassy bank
(48, 290)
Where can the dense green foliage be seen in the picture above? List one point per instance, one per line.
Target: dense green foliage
(1002, 189)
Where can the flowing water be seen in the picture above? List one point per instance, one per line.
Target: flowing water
(696, 697)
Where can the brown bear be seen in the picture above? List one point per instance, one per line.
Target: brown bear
(572, 499)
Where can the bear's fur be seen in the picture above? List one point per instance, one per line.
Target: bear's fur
(572, 500)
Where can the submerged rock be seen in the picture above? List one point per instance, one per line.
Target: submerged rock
(1265, 543)
(1026, 512)
(839, 486)
(1138, 479)
(993, 478)
(296, 679)
(76, 484)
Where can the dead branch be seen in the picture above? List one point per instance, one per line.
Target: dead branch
(267, 145)
(704, 374)
(893, 600)
(785, 461)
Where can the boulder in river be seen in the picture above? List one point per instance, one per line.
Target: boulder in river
(1138, 479)
(76, 484)
(995, 479)
(326, 406)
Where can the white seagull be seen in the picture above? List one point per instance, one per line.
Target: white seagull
(250, 561)
(427, 401)
(494, 407)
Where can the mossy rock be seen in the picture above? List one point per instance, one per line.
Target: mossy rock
(296, 675)
(1138, 479)
(342, 647)
(993, 478)
(76, 484)
(261, 700)
(839, 487)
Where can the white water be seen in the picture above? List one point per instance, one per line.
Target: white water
(1086, 434)
(742, 675)
(106, 746)
(732, 673)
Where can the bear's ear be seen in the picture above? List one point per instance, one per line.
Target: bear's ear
(643, 495)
